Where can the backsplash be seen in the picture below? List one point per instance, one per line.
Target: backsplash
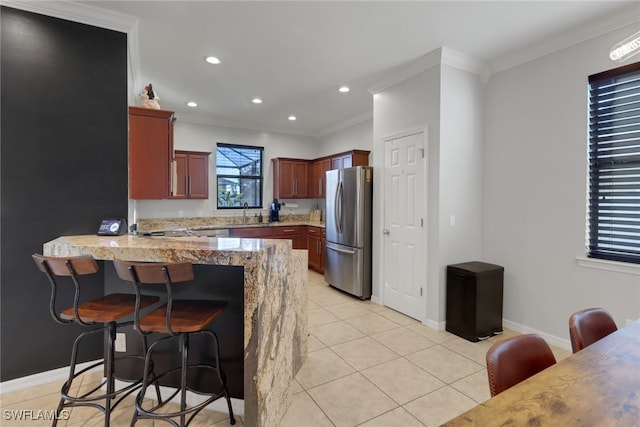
(157, 224)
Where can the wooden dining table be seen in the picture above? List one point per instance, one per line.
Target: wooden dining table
(598, 386)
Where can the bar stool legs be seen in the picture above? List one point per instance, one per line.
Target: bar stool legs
(103, 315)
(177, 320)
(185, 413)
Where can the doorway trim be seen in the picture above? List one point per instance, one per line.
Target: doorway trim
(378, 234)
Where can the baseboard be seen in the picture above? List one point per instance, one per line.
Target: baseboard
(41, 378)
(551, 339)
(438, 326)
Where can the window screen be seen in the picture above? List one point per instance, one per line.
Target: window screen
(239, 176)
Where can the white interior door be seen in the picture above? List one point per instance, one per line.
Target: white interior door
(405, 271)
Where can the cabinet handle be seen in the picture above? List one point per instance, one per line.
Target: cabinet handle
(188, 185)
(289, 231)
(295, 187)
(319, 185)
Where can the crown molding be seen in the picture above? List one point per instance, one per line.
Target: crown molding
(622, 18)
(440, 56)
(343, 124)
(406, 71)
(216, 121)
(77, 12)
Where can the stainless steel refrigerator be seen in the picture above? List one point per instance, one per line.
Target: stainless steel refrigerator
(349, 194)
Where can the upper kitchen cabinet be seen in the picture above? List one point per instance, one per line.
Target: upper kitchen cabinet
(290, 178)
(350, 159)
(317, 181)
(191, 175)
(150, 153)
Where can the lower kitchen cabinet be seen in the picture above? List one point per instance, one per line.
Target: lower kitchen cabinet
(295, 233)
(315, 246)
(301, 236)
(252, 232)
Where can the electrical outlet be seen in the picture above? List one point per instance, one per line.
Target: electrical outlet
(121, 342)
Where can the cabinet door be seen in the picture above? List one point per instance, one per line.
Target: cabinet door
(313, 246)
(290, 178)
(317, 182)
(300, 179)
(180, 172)
(198, 177)
(336, 163)
(252, 232)
(191, 175)
(293, 233)
(150, 153)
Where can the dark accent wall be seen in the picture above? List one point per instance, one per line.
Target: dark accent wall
(63, 168)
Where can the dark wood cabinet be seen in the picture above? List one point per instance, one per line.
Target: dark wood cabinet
(252, 232)
(150, 153)
(317, 183)
(350, 159)
(191, 175)
(295, 233)
(305, 179)
(290, 178)
(316, 248)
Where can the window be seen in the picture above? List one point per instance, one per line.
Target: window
(614, 165)
(239, 176)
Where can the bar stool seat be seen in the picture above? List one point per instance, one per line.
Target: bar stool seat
(102, 314)
(181, 319)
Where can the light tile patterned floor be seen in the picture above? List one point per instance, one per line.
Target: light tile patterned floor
(368, 366)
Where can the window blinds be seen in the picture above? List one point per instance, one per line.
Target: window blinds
(614, 165)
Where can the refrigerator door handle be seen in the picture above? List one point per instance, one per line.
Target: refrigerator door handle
(337, 213)
(342, 251)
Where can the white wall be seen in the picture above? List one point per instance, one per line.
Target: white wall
(461, 191)
(411, 104)
(203, 137)
(447, 101)
(535, 183)
(356, 137)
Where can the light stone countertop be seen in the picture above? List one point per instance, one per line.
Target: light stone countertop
(209, 223)
(275, 302)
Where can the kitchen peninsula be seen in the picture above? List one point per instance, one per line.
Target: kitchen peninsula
(274, 302)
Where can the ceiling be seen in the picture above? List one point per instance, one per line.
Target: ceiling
(294, 55)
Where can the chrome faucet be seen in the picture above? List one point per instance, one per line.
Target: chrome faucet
(244, 214)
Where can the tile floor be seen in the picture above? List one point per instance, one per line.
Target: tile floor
(368, 366)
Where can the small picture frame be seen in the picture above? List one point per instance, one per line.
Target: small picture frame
(112, 227)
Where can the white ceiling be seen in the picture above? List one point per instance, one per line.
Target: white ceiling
(294, 55)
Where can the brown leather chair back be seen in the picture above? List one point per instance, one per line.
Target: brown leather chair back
(515, 359)
(588, 326)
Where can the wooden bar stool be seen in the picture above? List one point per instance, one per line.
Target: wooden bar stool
(105, 311)
(181, 319)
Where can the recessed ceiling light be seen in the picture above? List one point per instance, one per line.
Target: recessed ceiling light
(212, 60)
(343, 89)
(256, 101)
(191, 104)
(292, 118)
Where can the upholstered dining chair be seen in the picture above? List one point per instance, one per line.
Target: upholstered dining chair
(588, 326)
(515, 359)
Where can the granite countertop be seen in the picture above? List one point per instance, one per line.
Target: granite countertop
(275, 302)
(146, 225)
(196, 249)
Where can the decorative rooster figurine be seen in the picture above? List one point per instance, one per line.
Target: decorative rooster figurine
(150, 98)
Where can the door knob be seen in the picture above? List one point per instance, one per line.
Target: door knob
(385, 231)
